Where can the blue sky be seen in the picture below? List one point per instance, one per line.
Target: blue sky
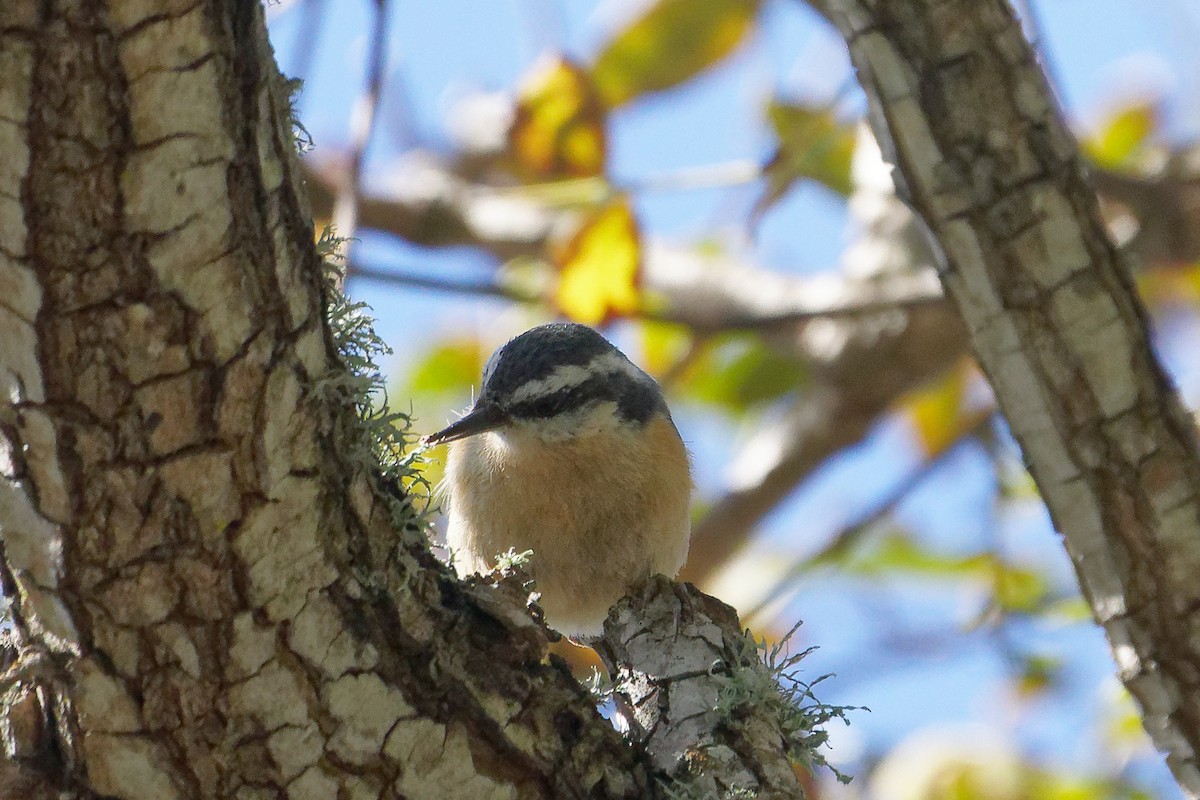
(1103, 52)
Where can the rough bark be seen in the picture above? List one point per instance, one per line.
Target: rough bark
(676, 655)
(210, 597)
(213, 593)
(964, 112)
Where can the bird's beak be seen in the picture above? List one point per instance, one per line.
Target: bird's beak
(483, 417)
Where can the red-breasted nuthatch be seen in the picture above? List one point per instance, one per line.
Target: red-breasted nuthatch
(568, 451)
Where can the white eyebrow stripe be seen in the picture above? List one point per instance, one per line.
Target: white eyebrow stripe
(569, 375)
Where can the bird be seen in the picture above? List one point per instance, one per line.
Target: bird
(569, 451)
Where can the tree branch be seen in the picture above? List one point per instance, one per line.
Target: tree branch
(882, 331)
(678, 659)
(963, 110)
(798, 299)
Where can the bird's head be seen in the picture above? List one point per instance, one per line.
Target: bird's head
(558, 381)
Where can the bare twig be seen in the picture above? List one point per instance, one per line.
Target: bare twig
(362, 124)
(434, 283)
(887, 294)
(705, 176)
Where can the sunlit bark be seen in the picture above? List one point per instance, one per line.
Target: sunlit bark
(211, 593)
(962, 107)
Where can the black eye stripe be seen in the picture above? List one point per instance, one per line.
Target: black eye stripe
(536, 355)
(636, 400)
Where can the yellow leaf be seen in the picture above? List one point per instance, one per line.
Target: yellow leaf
(1124, 135)
(937, 411)
(663, 344)
(558, 130)
(673, 41)
(599, 269)
(1171, 285)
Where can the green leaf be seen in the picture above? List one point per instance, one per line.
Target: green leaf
(1038, 674)
(449, 367)
(672, 42)
(1016, 589)
(738, 372)
(439, 384)
(813, 145)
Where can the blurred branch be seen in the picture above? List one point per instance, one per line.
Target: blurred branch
(849, 537)
(432, 206)
(1166, 206)
(869, 333)
(849, 393)
(810, 301)
(362, 124)
(708, 176)
(414, 280)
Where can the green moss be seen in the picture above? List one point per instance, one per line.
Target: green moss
(769, 683)
(373, 436)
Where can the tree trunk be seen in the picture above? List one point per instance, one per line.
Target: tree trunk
(213, 593)
(201, 598)
(982, 153)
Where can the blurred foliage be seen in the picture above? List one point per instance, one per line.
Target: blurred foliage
(438, 380)
(558, 129)
(812, 145)
(447, 368)
(1170, 287)
(1037, 674)
(964, 763)
(599, 266)
(938, 412)
(1123, 138)
(665, 345)
(672, 42)
(1014, 588)
(738, 372)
